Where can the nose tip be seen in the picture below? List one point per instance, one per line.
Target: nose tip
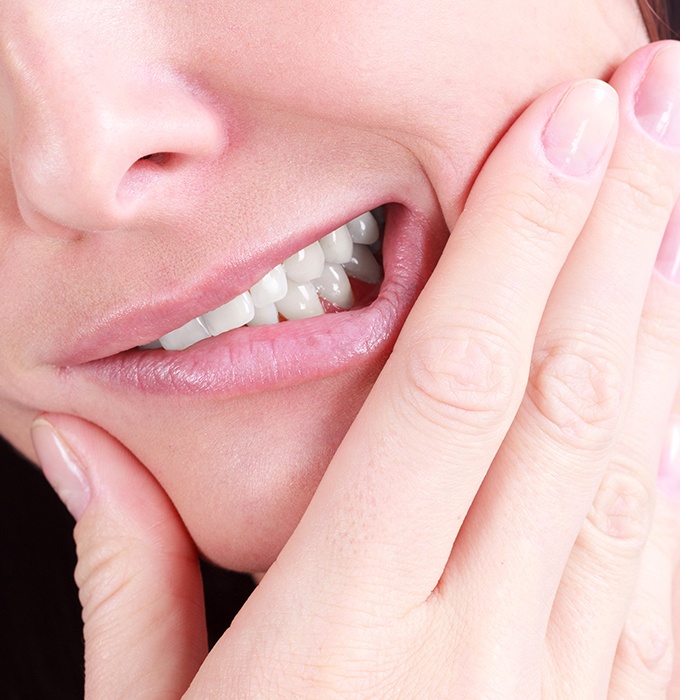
(100, 163)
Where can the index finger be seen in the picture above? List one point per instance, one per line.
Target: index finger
(395, 495)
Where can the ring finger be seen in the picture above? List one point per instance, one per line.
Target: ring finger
(583, 358)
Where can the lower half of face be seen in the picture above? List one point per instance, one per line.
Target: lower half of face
(123, 222)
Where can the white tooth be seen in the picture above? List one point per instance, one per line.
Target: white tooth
(301, 301)
(337, 246)
(265, 316)
(363, 266)
(334, 286)
(306, 264)
(183, 337)
(151, 346)
(364, 229)
(272, 287)
(233, 314)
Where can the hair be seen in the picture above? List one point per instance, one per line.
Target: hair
(660, 18)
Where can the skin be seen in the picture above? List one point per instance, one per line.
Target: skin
(539, 360)
(77, 204)
(538, 566)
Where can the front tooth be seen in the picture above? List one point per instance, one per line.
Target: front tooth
(265, 316)
(306, 264)
(183, 337)
(233, 314)
(301, 301)
(363, 266)
(364, 229)
(337, 246)
(334, 286)
(272, 287)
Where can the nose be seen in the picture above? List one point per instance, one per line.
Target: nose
(97, 149)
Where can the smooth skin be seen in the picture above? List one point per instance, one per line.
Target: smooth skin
(283, 120)
(487, 527)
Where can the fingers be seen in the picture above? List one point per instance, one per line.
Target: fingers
(545, 475)
(643, 665)
(137, 569)
(391, 502)
(599, 581)
(674, 686)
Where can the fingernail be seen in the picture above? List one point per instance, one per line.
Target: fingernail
(668, 259)
(579, 130)
(658, 96)
(60, 467)
(669, 467)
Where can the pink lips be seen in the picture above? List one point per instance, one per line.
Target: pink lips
(252, 359)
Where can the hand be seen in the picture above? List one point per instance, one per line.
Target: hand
(480, 531)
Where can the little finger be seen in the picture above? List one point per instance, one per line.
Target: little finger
(643, 664)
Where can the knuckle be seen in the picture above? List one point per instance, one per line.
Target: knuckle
(466, 377)
(642, 187)
(531, 211)
(577, 392)
(646, 647)
(620, 516)
(103, 574)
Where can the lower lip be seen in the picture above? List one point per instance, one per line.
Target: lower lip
(248, 360)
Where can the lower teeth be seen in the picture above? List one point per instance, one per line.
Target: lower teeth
(299, 287)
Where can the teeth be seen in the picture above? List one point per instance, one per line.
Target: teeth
(272, 287)
(301, 301)
(185, 336)
(363, 266)
(337, 246)
(364, 229)
(333, 285)
(265, 316)
(233, 314)
(293, 288)
(306, 264)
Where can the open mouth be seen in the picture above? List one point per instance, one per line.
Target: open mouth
(247, 357)
(328, 276)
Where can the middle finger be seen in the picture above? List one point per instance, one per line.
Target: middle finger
(546, 474)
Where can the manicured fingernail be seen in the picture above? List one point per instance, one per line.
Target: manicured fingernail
(61, 468)
(658, 97)
(669, 467)
(668, 259)
(579, 130)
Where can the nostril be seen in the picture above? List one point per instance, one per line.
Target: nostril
(145, 176)
(105, 158)
(156, 158)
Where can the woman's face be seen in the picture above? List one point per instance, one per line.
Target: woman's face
(268, 125)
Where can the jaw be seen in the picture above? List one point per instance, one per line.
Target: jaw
(241, 455)
(239, 465)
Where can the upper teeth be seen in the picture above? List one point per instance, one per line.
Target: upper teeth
(293, 288)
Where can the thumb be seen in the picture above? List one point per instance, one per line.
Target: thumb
(137, 570)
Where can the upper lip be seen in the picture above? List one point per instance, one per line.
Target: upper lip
(143, 320)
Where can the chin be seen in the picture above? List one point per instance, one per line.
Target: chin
(238, 420)
(242, 494)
